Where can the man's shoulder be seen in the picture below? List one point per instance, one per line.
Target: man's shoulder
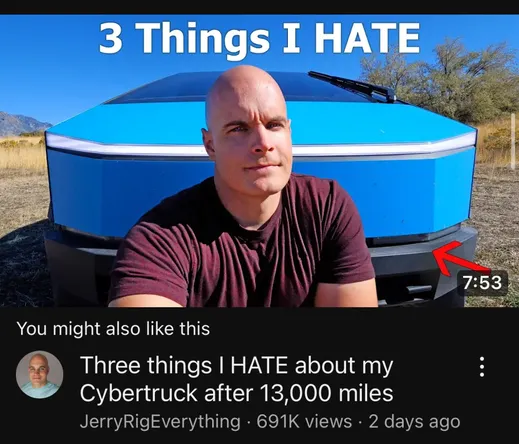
(323, 200)
(312, 189)
(308, 181)
(53, 387)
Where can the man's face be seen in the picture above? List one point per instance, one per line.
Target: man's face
(38, 371)
(250, 139)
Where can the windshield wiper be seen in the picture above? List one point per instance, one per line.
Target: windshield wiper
(366, 88)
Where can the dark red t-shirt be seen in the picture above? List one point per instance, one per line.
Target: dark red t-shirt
(190, 249)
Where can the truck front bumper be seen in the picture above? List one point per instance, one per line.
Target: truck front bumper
(407, 275)
(80, 268)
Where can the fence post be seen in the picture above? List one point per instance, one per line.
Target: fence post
(512, 135)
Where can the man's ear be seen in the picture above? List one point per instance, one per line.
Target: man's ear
(208, 143)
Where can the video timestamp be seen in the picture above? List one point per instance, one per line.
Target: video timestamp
(493, 283)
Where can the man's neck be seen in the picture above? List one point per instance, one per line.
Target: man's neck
(250, 212)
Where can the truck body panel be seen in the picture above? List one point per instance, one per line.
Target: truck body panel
(395, 197)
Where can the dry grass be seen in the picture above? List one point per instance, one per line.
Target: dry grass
(24, 198)
(24, 154)
(30, 140)
(494, 143)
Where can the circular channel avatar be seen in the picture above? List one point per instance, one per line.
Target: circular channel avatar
(39, 374)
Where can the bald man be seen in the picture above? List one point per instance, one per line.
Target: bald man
(254, 234)
(39, 386)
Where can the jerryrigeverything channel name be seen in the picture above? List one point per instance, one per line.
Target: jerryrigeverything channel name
(158, 421)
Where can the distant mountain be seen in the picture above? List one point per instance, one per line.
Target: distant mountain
(15, 124)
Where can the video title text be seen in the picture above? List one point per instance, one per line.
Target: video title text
(336, 38)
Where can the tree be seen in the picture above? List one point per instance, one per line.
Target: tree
(469, 86)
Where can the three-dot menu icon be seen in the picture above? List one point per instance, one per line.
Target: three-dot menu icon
(482, 366)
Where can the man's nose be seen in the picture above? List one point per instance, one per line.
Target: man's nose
(261, 142)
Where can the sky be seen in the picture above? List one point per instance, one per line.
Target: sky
(53, 68)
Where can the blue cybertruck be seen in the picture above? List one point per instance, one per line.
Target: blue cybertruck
(408, 170)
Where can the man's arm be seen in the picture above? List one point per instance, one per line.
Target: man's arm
(151, 269)
(144, 300)
(347, 276)
(356, 294)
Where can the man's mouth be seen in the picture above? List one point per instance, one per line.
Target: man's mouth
(263, 166)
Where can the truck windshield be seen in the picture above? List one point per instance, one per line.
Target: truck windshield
(193, 87)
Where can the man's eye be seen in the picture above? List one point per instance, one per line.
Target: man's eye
(237, 129)
(275, 124)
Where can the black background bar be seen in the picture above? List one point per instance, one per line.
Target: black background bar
(369, 373)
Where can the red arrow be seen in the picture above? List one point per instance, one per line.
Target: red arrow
(441, 255)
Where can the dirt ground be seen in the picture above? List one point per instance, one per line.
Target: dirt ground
(24, 279)
(495, 214)
(24, 199)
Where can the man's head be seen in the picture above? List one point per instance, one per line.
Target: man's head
(38, 370)
(248, 133)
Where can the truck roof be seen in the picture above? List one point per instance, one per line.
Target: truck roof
(193, 87)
